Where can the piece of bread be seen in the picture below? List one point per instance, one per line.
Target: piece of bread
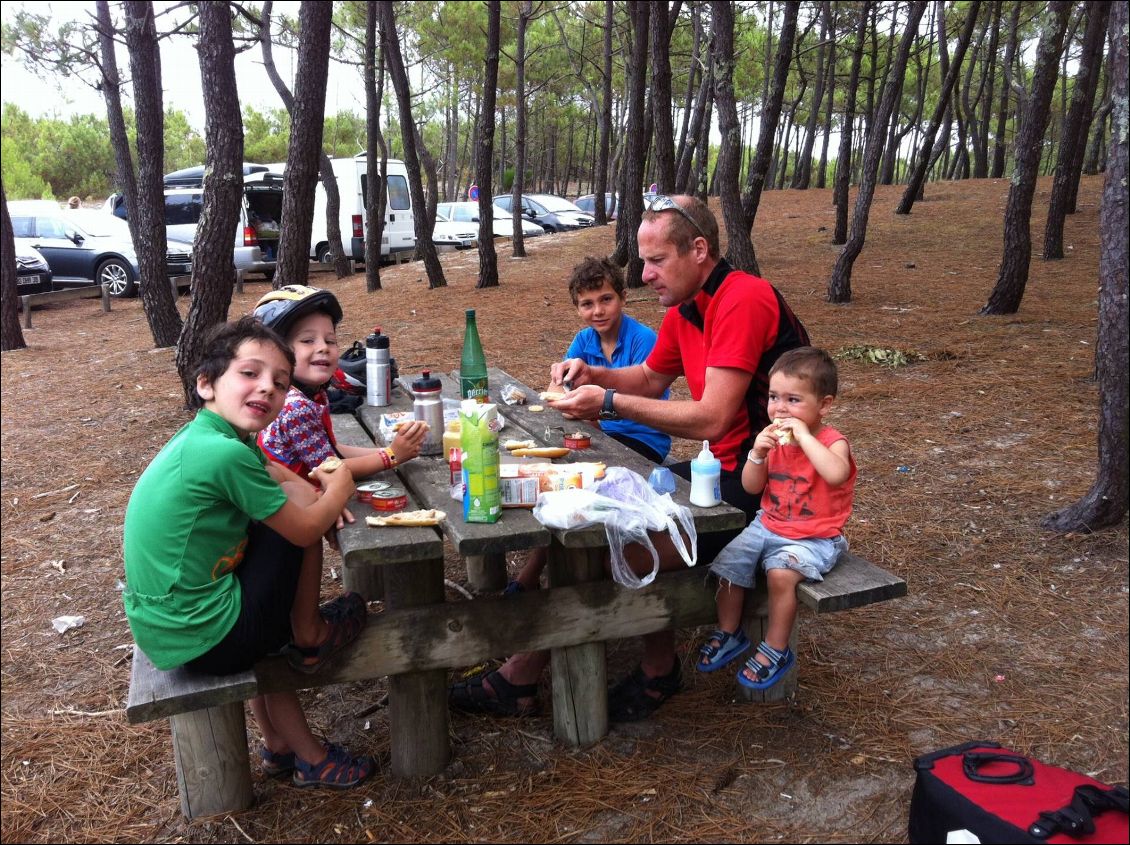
(408, 519)
(511, 445)
(537, 409)
(551, 395)
(330, 464)
(397, 426)
(784, 436)
(541, 452)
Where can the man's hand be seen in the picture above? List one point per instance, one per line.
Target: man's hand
(571, 370)
(582, 403)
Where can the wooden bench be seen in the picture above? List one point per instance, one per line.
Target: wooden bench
(419, 637)
(64, 295)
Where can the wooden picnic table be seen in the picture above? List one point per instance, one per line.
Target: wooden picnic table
(575, 556)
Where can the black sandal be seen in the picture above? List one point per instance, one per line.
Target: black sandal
(629, 701)
(472, 697)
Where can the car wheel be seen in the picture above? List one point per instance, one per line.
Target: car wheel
(323, 254)
(118, 276)
(269, 275)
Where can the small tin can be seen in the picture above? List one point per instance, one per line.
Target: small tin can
(390, 499)
(365, 491)
(577, 440)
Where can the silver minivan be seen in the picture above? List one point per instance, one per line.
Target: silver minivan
(256, 234)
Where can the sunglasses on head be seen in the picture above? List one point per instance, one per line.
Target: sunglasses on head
(665, 203)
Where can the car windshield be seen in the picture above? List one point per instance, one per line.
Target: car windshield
(501, 213)
(98, 223)
(554, 203)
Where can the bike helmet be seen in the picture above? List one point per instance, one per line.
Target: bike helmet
(279, 309)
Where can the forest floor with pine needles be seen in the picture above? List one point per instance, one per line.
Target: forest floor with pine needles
(1009, 633)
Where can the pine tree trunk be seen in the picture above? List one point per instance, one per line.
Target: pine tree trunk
(342, 264)
(843, 157)
(111, 92)
(1013, 276)
(213, 250)
(484, 152)
(375, 191)
(740, 252)
(663, 130)
(423, 224)
(683, 177)
(770, 116)
(1092, 163)
(1074, 131)
(1106, 502)
(605, 120)
(688, 99)
(11, 335)
(147, 223)
(999, 147)
(830, 83)
(802, 174)
(839, 286)
(525, 11)
(922, 158)
(305, 149)
(631, 211)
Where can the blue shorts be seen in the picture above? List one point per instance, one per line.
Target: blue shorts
(758, 547)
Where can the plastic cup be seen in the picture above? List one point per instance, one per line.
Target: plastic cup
(661, 480)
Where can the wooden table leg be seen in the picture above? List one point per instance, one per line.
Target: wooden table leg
(417, 701)
(580, 687)
(486, 573)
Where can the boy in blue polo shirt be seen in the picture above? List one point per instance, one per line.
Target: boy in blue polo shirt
(610, 339)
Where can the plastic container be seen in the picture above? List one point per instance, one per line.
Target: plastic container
(706, 474)
(427, 405)
(378, 369)
(662, 480)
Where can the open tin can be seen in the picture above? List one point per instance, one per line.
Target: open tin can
(389, 500)
(578, 440)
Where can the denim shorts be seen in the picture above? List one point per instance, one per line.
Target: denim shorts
(759, 548)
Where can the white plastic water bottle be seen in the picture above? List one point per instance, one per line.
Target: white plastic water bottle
(706, 474)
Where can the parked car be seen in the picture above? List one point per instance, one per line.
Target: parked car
(554, 214)
(587, 203)
(257, 230)
(33, 274)
(460, 235)
(468, 212)
(85, 247)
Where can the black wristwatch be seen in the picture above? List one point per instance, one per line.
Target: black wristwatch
(607, 412)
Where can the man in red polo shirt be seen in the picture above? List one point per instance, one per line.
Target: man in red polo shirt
(723, 330)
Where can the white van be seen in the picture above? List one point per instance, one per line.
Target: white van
(399, 229)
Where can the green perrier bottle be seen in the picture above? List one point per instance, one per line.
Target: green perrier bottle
(473, 365)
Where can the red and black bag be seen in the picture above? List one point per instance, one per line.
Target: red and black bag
(1000, 796)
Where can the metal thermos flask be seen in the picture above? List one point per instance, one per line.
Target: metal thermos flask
(427, 405)
(378, 372)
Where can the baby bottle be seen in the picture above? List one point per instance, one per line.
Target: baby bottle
(706, 471)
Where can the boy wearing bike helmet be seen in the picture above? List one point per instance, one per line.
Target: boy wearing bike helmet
(302, 436)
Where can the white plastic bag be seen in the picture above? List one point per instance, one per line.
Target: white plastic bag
(628, 508)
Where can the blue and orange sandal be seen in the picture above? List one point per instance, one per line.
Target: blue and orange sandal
(338, 770)
(275, 763)
(779, 663)
(730, 647)
(346, 617)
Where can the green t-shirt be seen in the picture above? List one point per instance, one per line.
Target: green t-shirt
(186, 532)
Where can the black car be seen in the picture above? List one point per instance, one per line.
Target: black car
(86, 247)
(33, 275)
(554, 214)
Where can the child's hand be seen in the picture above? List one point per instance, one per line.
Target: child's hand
(408, 440)
(797, 428)
(766, 441)
(340, 479)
